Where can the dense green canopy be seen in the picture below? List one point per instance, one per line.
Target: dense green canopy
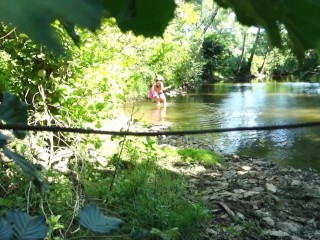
(150, 18)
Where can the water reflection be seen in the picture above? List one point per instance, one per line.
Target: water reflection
(244, 105)
(158, 114)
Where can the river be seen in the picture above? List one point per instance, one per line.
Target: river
(246, 105)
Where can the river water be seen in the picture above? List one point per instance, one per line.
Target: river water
(247, 105)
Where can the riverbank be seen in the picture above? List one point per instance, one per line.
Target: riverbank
(252, 198)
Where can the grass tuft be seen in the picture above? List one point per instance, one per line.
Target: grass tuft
(202, 156)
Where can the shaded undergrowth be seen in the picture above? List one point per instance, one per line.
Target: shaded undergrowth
(131, 185)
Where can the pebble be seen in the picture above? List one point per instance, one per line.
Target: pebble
(276, 233)
(269, 221)
(271, 188)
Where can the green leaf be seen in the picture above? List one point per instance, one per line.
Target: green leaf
(70, 28)
(145, 17)
(26, 166)
(13, 111)
(26, 227)
(6, 230)
(34, 17)
(91, 217)
(3, 141)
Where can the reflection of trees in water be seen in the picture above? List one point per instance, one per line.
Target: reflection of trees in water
(304, 151)
(298, 148)
(272, 145)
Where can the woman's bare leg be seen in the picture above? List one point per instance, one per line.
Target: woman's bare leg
(157, 100)
(163, 100)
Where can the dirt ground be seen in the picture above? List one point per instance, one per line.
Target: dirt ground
(254, 199)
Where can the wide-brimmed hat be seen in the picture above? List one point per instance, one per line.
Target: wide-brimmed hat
(159, 78)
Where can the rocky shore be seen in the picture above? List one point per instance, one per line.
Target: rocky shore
(252, 198)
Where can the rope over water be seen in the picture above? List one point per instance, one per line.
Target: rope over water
(38, 128)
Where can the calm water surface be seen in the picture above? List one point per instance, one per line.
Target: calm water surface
(246, 105)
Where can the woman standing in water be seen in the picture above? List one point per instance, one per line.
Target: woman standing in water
(158, 87)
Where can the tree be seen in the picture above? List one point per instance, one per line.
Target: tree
(216, 53)
(263, 52)
(150, 18)
(244, 72)
(242, 52)
(212, 17)
(310, 65)
(299, 17)
(253, 50)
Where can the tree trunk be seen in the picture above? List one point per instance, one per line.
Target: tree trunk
(248, 67)
(213, 15)
(242, 52)
(261, 69)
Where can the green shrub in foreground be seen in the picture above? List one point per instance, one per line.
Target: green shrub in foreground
(152, 197)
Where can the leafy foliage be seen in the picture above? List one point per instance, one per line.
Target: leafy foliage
(35, 17)
(24, 226)
(92, 218)
(12, 110)
(215, 52)
(20, 226)
(310, 65)
(6, 230)
(17, 115)
(22, 162)
(3, 140)
(149, 18)
(299, 17)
